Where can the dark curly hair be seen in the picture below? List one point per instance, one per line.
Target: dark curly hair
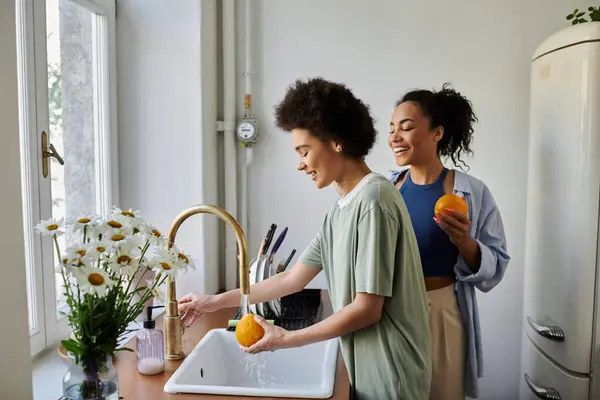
(451, 110)
(329, 111)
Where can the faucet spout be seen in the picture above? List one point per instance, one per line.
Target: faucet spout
(172, 319)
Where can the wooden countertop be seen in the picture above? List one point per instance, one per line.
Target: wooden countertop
(135, 386)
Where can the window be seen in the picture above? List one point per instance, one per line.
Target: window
(66, 57)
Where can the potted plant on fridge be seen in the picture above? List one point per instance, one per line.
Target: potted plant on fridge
(578, 17)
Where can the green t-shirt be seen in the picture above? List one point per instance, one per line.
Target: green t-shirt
(367, 244)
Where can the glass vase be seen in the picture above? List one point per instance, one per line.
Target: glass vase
(91, 380)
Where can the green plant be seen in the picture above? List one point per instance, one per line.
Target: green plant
(578, 17)
(102, 275)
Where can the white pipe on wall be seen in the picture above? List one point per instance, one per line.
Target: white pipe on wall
(248, 112)
(248, 49)
(209, 53)
(229, 119)
(249, 153)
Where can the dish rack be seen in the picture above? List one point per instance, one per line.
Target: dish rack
(262, 268)
(298, 310)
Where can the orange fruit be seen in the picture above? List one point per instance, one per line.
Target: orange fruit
(248, 331)
(451, 201)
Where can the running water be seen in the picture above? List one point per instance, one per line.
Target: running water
(255, 366)
(244, 305)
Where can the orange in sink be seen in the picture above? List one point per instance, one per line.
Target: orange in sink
(248, 331)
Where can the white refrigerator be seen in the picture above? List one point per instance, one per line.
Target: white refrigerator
(560, 356)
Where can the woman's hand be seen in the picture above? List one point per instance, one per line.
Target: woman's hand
(193, 305)
(457, 225)
(275, 338)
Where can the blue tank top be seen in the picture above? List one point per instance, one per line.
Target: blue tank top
(438, 253)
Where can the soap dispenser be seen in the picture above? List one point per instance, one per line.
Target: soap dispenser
(149, 346)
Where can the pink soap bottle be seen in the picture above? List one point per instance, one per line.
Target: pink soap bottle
(149, 346)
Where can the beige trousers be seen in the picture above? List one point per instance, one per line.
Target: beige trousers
(448, 345)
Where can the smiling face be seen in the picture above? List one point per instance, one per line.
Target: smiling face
(319, 159)
(411, 138)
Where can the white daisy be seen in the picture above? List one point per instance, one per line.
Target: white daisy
(100, 248)
(76, 254)
(124, 261)
(130, 218)
(126, 213)
(64, 260)
(50, 227)
(166, 262)
(117, 235)
(158, 292)
(69, 269)
(85, 221)
(114, 223)
(94, 231)
(137, 240)
(154, 236)
(184, 259)
(94, 280)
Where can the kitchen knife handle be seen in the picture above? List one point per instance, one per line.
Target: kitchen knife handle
(278, 242)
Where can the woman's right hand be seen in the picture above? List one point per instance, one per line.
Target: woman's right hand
(193, 305)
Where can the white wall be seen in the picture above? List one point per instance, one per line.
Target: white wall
(381, 50)
(15, 363)
(166, 130)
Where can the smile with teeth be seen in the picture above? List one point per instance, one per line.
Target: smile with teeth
(399, 150)
(313, 174)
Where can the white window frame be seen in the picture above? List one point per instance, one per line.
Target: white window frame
(49, 330)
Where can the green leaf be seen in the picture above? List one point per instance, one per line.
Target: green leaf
(570, 17)
(72, 346)
(581, 14)
(590, 8)
(138, 290)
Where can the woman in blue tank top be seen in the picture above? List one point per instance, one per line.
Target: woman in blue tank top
(457, 253)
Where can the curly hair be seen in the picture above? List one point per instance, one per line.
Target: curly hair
(454, 112)
(329, 111)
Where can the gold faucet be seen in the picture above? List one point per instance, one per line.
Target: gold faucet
(172, 319)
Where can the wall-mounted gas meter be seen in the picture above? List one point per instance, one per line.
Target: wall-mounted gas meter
(247, 130)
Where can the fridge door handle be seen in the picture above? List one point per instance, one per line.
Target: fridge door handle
(540, 392)
(553, 332)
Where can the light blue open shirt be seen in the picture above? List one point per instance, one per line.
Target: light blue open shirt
(488, 230)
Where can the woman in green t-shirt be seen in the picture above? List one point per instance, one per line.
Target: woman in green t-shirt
(366, 247)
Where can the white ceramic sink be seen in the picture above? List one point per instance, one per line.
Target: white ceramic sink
(218, 366)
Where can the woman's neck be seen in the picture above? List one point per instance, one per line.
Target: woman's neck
(354, 172)
(424, 174)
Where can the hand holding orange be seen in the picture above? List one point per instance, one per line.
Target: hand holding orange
(451, 214)
(453, 202)
(248, 331)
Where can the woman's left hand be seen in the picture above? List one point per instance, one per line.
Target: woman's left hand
(275, 338)
(456, 225)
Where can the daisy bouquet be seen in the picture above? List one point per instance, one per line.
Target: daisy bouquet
(103, 270)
